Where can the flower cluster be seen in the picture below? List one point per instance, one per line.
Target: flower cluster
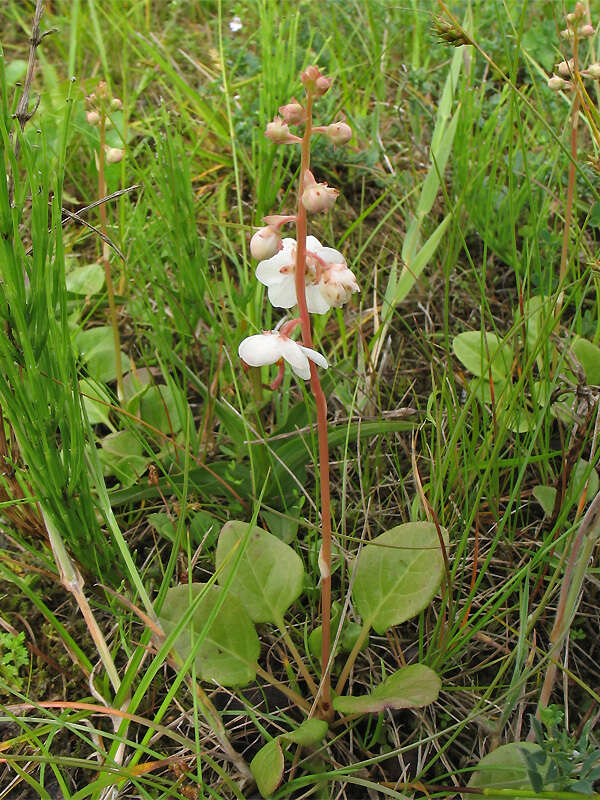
(327, 281)
(577, 28)
(97, 103)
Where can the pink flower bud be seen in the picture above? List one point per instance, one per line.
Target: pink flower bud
(322, 85)
(114, 155)
(279, 132)
(265, 243)
(579, 10)
(586, 31)
(314, 81)
(293, 113)
(93, 117)
(565, 68)
(338, 132)
(317, 196)
(116, 104)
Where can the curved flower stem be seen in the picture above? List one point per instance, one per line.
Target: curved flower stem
(326, 709)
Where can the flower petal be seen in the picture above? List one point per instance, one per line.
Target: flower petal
(313, 244)
(261, 349)
(317, 304)
(296, 357)
(331, 256)
(269, 270)
(283, 293)
(318, 358)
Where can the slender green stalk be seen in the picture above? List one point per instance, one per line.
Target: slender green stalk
(110, 291)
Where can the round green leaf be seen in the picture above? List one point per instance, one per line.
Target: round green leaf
(310, 732)
(96, 400)
(267, 767)
(269, 576)
(86, 280)
(588, 355)
(545, 495)
(398, 574)
(229, 649)
(479, 351)
(98, 349)
(510, 767)
(414, 686)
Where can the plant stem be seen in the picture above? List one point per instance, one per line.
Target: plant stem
(571, 186)
(582, 548)
(352, 657)
(289, 693)
(106, 261)
(326, 709)
(297, 657)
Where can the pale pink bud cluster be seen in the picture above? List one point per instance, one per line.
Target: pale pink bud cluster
(314, 81)
(557, 84)
(97, 102)
(266, 242)
(575, 27)
(317, 196)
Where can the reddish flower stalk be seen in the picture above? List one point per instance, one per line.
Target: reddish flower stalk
(325, 707)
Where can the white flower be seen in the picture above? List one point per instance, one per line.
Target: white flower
(235, 24)
(278, 273)
(269, 347)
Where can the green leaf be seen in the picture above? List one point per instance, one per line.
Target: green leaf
(588, 355)
(86, 280)
(15, 71)
(479, 351)
(414, 686)
(98, 350)
(95, 399)
(228, 651)
(121, 455)
(508, 767)
(398, 574)
(267, 767)
(159, 409)
(350, 633)
(545, 495)
(310, 732)
(269, 576)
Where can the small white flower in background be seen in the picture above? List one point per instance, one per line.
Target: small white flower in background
(114, 155)
(269, 347)
(329, 282)
(235, 25)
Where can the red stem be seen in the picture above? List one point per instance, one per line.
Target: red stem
(326, 710)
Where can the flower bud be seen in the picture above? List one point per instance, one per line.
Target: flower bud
(338, 132)
(579, 10)
(293, 113)
(114, 155)
(102, 90)
(279, 132)
(314, 81)
(322, 85)
(93, 117)
(565, 68)
(556, 83)
(317, 196)
(265, 243)
(116, 104)
(593, 71)
(586, 31)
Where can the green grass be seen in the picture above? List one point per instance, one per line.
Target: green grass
(137, 489)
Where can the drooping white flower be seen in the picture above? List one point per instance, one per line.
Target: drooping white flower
(325, 268)
(270, 346)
